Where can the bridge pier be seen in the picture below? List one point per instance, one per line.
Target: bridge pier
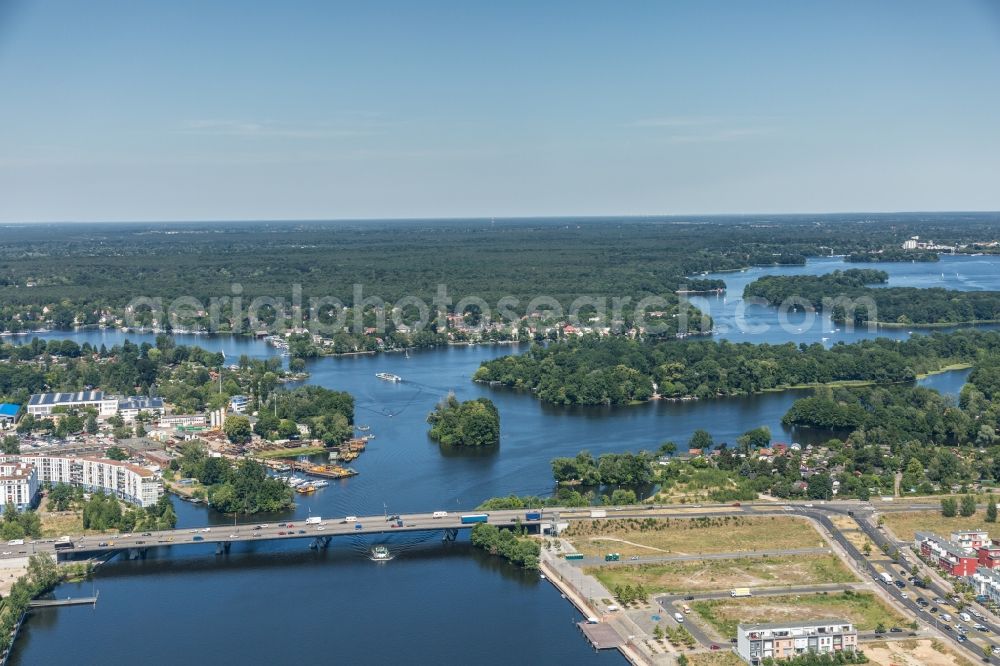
(136, 553)
(320, 543)
(450, 534)
(223, 547)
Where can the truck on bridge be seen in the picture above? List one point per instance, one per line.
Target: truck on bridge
(472, 518)
(533, 515)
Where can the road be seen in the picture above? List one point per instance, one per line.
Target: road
(879, 539)
(672, 603)
(298, 529)
(369, 525)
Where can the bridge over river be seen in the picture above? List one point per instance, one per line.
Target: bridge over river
(320, 534)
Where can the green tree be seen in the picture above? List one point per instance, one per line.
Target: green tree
(267, 423)
(700, 439)
(757, 438)
(991, 510)
(470, 423)
(949, 507)
(968, 506)
(116, 453)
(667, 449)
(11, 444)
(237, 429)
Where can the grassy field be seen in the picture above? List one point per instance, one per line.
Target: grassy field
(691, 536)
(721, 658)
(913, 653)
(864, 609)
(64, 522)
(706, 575)
(905, 524)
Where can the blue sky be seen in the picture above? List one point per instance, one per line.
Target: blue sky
(200, 110)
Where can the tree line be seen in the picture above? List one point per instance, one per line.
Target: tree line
(240, 487)
(884, 305)
(596, 370)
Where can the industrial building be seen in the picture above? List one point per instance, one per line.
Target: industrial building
(42, 404)
(129, 408)
(8, 413)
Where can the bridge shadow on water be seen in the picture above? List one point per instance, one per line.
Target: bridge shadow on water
(347, 552)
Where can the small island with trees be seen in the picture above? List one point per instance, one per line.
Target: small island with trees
(469, 423)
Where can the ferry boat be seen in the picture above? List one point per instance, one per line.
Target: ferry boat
(320, 483)
(380, 554)
(388, 376)
(305, 488)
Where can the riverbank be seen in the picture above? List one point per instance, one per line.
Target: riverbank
(291, 453)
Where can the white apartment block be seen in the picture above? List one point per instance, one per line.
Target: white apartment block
(131, 483)
(987, 582)
(42, 404)
(18, 485)
(782, 640)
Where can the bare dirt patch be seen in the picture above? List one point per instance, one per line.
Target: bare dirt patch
(692, 536)
(707, 575)
(913, 653)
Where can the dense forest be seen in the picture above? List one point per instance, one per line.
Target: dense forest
(891, 254)
(469, 423)
(65, 275)
(904, 306)
(594, 371)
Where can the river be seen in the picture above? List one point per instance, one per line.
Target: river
(274, 603)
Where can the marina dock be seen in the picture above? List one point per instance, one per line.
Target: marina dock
(70, 601)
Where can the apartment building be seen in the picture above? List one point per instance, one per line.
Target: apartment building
(18, 485)
(131, 483)
(971, 539)
(987, 583)
(782, 640)
(949, 556)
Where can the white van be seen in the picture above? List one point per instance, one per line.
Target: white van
(965, 617)
(946, 617)
(351, 519)
(678, 617)
(439, 514)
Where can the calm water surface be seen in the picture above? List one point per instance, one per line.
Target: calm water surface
(279, 603)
